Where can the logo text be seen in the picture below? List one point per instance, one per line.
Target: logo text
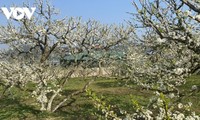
(18, 12)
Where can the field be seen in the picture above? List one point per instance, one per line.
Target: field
(20, 105)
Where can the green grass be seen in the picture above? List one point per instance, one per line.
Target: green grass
(20, 105)
(195, 97)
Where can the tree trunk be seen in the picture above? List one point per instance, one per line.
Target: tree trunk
(44, 57)
(100, 68)
(50, 102)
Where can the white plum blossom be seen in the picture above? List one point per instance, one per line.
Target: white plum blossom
(197, 17)
(179, 71)
(187, 12)
(159, 40)
(180, 105)
(194, 87)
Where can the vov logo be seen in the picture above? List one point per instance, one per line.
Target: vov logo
(18, 12)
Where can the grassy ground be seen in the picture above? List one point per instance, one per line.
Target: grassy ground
(20, 105)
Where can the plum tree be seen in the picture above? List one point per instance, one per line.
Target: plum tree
(32, 43)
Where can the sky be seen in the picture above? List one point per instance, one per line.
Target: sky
(105, 11)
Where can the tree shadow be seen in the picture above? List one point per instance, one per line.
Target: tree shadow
(109, 84)
(67, 92)
(78, 111)
(13, 108)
